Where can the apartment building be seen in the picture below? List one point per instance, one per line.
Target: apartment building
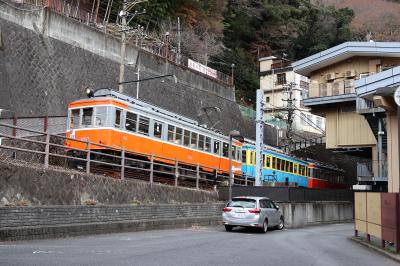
(278, 80)
(351, 125)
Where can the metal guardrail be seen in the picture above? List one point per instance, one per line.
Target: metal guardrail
(298, 145)
(121, 164)
(366, 170)
(367, 106)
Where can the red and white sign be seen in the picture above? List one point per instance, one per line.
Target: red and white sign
(202, 68)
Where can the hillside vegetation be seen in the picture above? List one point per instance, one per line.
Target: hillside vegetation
(220, 33)
(379, 17)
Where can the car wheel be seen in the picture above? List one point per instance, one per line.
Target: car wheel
(228, 228)
(281, 224)
(264, 227)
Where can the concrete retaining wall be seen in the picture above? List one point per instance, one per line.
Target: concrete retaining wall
(313, 213)
(38, 186)
(60, 221)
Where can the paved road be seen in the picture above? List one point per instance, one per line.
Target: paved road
(319, 245)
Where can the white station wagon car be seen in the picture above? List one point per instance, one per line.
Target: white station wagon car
(257, 212)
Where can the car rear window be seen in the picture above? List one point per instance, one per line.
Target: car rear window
(242, 203)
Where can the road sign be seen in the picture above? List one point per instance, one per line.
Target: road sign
(396, 96)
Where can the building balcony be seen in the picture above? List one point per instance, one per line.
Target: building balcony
(365, 106)
(332, 92)
(366, 170)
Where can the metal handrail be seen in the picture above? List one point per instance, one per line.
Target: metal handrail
(196, 169)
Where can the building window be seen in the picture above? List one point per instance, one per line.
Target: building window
(267, 99)
(281, 78)
(303, 84)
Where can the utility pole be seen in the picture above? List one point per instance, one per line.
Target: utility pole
(123, 14)
(179, 41)
(290, 108)
(259, 136)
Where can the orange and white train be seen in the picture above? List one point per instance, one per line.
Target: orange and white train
(113, 119)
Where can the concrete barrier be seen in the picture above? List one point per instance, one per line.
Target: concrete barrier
(314, 213)
(20, 223)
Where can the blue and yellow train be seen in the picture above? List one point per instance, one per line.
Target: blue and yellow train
(279, 167)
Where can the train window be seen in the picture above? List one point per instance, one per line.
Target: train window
(171, 131)
(207, 144)
(117, 118)
(201, 142)
(217, 146)
(243, 156)
(308, 171)
(87, 117)
(273, 159)
(291, 167)
(264, 161)
(178, 135)
(253, 157)
(278, 164)
(225, 149)
(101, 116)
(130, 123)
(268, 162)
(157, 129)
(144, 125)
(295, 167)
(193, 140)
(74, 122)
(186, 138)
(233, 151)
(238, 154)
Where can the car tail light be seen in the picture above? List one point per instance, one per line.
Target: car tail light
(255, 211)
(226, 209)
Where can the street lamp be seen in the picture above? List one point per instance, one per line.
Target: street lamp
(234, 134)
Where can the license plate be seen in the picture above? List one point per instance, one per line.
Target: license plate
(240, 215)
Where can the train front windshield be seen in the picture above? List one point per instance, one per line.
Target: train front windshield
(87, 117)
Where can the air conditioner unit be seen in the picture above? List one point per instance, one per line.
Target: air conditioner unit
(339, 75)
(364, 75)
(330, 76)
(350, 73)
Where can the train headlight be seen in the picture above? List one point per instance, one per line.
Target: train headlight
(89, 92)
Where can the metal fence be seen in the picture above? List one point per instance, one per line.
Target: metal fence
(49, 149)
(52, 124)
